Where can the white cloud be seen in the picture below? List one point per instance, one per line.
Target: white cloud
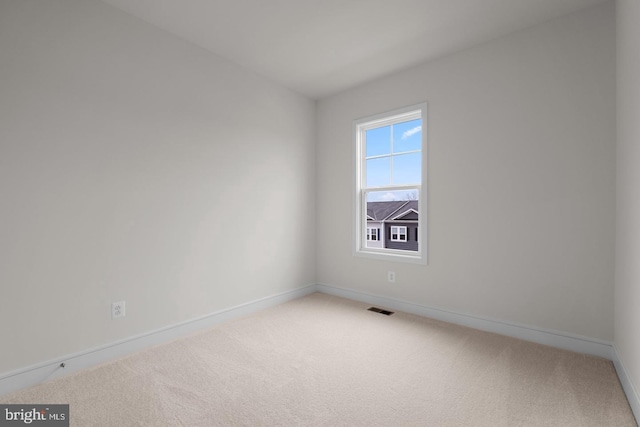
(411, 132)
(388, 197)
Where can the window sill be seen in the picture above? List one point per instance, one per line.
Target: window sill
(389, 255)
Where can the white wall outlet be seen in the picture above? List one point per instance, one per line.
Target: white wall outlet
(391, 276)
(117, 309)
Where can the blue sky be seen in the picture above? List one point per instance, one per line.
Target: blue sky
(392, 160)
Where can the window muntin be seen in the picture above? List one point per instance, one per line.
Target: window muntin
(390, 152)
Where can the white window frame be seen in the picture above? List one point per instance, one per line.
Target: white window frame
(360, 127)
(398, 233)
(371, 232)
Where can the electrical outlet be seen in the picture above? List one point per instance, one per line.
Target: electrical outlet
(117, 309)
(391, 276)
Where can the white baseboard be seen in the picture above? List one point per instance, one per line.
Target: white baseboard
(551, 338)
(627, 384)
(32, 375)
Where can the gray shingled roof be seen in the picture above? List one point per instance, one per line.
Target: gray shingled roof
(381, 211)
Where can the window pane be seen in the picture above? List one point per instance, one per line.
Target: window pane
(407, 169)
(395, 209)
(378, 172)
(407, 136)
(378, 141)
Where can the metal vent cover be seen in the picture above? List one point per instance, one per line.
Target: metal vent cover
(381, 311)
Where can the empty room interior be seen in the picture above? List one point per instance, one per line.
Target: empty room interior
(201, 201)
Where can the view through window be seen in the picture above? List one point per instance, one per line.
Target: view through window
(390, 208)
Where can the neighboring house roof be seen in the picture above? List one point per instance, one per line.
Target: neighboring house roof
(408, 215)
(381, 211)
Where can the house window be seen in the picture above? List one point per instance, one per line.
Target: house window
(390, 177)
(373, 233)
(398, 234)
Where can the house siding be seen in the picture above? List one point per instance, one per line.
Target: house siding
(411, 244)
(376, 243)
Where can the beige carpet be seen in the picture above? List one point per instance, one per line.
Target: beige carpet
(322, 360)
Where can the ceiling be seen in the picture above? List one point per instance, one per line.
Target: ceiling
(320, 47)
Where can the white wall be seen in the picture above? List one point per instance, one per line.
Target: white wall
(521, 158)
(627, 291)
(135, 166)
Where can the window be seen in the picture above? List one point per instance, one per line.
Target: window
(390, 176)
(398, 234)
(373, 233)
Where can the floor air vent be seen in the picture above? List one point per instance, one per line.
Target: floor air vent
(381, 311)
